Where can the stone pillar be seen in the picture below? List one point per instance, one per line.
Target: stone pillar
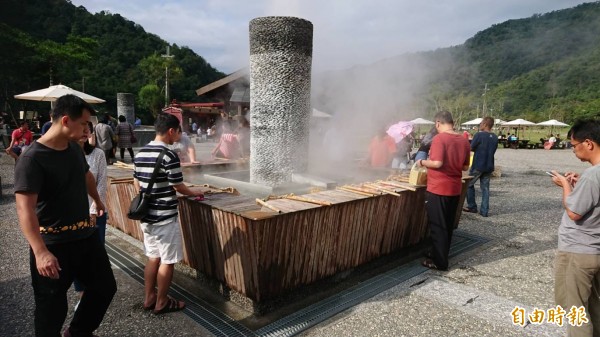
(280, 77)
(126, 106)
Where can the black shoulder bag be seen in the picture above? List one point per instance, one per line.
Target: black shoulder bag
(139, 205)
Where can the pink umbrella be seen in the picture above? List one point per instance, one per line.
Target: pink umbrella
(400, 130)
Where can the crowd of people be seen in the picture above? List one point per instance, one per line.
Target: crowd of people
(60, 191)
(446, 154)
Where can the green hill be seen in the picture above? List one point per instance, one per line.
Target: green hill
(541, 67)
(101, 53)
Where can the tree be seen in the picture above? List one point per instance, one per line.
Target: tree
(151, 98)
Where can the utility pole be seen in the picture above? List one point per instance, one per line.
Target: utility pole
(167, 56)
(485, 90)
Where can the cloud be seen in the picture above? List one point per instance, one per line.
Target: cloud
(346, 33)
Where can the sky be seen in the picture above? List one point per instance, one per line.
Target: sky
(346, 32)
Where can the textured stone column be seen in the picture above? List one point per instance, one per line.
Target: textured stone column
(280, 71)
(126, 106)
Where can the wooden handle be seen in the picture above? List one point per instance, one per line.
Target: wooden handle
(348, 189)
(263, 203)
(382, 189)
(399, 185)
(364, 189)
(308, 200)
(398, 178)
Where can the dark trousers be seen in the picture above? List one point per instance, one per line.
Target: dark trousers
(101, 229)
(129, 149)
(87, 261)
(108, 154)
(441, 212)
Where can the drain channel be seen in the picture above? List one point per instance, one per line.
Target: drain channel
(220, 324)
(208, 317)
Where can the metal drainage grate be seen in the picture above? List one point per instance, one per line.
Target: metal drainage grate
(220, 324)
(203, 313)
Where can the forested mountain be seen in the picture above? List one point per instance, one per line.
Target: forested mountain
(103, 53)
(545, 66)
(541, 67)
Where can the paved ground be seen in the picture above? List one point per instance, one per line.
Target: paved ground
(473, 299)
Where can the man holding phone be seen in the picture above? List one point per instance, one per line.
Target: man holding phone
(577, 265)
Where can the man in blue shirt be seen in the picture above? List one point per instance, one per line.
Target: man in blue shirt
(484, 145)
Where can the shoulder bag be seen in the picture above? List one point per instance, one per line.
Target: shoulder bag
(139, 205)
(133, 139)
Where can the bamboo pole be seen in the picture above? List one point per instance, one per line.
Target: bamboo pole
(308, 200)
(363, 189)
(382, 189)
(344, 188)
(123, 165)
(398, 178)
(399, 185)
(263, 203)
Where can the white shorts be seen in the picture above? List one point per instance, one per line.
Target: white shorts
(163, 241)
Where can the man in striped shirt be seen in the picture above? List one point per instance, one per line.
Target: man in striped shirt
(162, 234)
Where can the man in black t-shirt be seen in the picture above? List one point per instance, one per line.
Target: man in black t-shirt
(52, 181)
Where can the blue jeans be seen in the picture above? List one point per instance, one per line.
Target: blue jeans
(421, 155)
(484, 184)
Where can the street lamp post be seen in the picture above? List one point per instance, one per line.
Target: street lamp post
(167, 56)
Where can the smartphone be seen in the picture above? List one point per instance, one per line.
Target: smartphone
(550, 173)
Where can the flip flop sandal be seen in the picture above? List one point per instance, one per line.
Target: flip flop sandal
(172, 306)
(150, 307)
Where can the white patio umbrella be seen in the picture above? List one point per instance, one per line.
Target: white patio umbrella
(517, 123)
(475, 121)
(552, 123)
(421, 121)
(53, 92)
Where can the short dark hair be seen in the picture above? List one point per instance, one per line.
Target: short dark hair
(122, 118)
(488, 121)
(71, 106)
(584, 129)
(444, 117)
(87, 147)
(24, 123)
(164, 122)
